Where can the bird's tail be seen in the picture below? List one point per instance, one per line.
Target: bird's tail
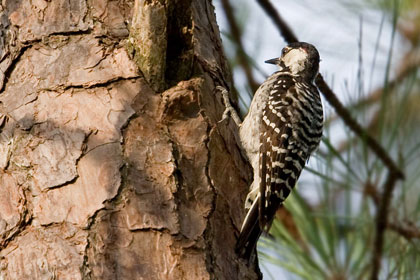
(250, 233)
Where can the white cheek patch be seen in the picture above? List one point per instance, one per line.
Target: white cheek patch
(295, 60)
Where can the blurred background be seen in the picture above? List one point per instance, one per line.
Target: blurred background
(370, 52)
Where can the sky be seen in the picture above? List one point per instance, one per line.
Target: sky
(334, 28)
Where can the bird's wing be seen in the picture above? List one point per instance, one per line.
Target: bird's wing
(281, 161)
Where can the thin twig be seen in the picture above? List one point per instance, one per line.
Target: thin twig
(411, 69)
(409, 66)
(406, 229)
(241, 54)
(374, 145)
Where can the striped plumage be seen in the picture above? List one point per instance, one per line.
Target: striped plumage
(283, 127)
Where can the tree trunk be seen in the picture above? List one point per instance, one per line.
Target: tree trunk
(113, 162)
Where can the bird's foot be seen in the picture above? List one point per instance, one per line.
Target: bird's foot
(229, 110)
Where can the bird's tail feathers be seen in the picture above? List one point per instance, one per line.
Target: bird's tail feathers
(250, 233)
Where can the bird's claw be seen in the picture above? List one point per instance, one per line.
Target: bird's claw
(229, 110)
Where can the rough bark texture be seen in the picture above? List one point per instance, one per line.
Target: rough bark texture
(112, 162)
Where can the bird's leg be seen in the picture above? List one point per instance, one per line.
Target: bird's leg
(228, 107)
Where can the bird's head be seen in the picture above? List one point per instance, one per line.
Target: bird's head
(301, 59)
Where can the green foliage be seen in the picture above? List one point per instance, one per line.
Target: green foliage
(336, 235)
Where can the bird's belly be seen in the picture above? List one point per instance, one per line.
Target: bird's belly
(250, 139)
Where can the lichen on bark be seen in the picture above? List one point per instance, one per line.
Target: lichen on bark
(161, 41)
(147, 41)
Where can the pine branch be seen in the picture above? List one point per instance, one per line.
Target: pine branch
(382, 214)
(394, 172)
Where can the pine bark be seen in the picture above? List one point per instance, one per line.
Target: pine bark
(113, 162)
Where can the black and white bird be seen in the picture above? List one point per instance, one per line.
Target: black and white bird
(281, 130)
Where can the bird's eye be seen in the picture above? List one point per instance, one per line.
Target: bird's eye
(285, 50)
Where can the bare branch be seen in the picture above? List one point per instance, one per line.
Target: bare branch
(382, 214)
(282, 26)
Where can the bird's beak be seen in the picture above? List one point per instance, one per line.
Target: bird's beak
(273, 61)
